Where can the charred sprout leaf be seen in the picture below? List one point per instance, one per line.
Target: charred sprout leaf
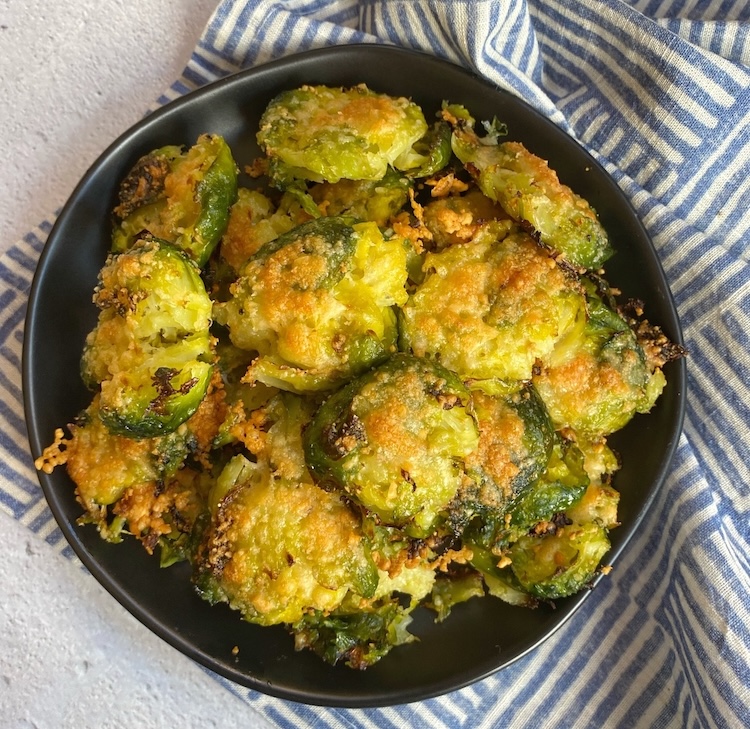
(490, 308)
(359, 637)
(146, 181)
(598, 378)
(324, 134)
(316, 304)
(430, 154)
(182, 197)
(393, 441)
(150, 352)
(298, 191)
(500, 581)
(188, 515)
(531, 193)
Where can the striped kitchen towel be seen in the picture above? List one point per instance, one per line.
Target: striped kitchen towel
(659, 92)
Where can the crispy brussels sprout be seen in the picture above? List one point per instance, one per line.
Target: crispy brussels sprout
(516, 552)
(563, 482)
(360, 631)
(559, 564)
(316, 304)
(277, 549)
(515, 443)
(564, 557)
(597, 378)
(127, 485)
(531, 193)
(459, 218)
(253, 221)
(393, 439)
(490, 308)
(179, 196)
(278, 546)
(374, 200)
(150, 352)
(321, 134)
(104, 465)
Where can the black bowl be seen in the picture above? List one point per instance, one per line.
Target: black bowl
(480, 636)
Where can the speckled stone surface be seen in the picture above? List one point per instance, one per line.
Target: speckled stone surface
(76, 74)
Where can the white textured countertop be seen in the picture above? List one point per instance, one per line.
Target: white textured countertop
(76, 74)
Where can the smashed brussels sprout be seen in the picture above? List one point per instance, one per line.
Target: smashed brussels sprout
(393, 440)
(531, 193)
(322, 134)
(559, 564)
(598, 377)
(490, 308)
(179, 196)
(515, 444)
(316, 304)
(537, 550)
(276, 549)
(150, 353)
(379, 377)
(104, 465)
(133, 486)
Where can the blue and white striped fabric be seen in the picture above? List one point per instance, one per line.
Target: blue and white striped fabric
(659, 92)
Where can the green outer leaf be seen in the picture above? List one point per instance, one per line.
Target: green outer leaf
(217, 192)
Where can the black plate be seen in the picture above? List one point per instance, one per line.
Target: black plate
(480, 636)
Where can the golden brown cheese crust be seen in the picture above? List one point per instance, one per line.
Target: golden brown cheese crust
(458, 219)
(501, 445)
(154, 510)
(103, 468)
(368, 114)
